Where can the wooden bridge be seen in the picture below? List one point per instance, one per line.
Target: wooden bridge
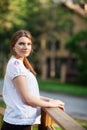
(51, 117)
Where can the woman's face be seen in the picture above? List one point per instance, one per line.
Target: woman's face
(23, 47)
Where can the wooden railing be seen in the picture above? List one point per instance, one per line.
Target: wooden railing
(0, 94)
(50, 116)
(55, 116)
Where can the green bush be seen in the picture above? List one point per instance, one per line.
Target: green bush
(77, 44)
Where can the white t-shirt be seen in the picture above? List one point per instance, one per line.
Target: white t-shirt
(16, 111)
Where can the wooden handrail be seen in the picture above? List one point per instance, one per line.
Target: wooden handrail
(60, 118)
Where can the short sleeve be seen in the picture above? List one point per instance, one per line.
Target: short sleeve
(16, 68)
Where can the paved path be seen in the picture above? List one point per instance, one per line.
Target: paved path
(75, 106)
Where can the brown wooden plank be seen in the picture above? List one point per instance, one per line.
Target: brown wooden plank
(62, 119)
(42, 126)
(49, 121)
(2, 111)
(0, 94)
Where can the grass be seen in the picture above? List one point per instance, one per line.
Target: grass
(65, 88)
(2, 104)
(82, 123)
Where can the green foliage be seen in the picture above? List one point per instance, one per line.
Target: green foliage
(10, 14)
(78, 45)
(40, 19)
(64, 19)
(10, 20)
(48, 19)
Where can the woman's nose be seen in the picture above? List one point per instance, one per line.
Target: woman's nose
(25, 46)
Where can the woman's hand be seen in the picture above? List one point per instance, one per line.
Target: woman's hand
(57, 103)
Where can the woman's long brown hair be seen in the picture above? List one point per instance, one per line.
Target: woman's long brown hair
(16, 36)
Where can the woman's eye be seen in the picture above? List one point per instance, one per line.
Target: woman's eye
(21, 43)
(28, 43)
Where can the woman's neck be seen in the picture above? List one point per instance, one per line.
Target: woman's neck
(18, 57)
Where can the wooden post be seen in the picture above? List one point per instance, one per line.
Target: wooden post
(0, 94)
(46, 122)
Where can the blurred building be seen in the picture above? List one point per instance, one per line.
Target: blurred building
(54, 58)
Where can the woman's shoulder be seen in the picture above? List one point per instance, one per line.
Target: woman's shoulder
(15, 62)
(15, 67)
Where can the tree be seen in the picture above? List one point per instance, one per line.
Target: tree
(46, 20)
(10, 21)
(77, 44)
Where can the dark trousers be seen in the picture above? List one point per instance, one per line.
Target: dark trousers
(7, 126)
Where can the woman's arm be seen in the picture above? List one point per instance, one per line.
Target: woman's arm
(46, 98)
(21, 85)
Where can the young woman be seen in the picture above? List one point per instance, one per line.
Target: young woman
(20, 90)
